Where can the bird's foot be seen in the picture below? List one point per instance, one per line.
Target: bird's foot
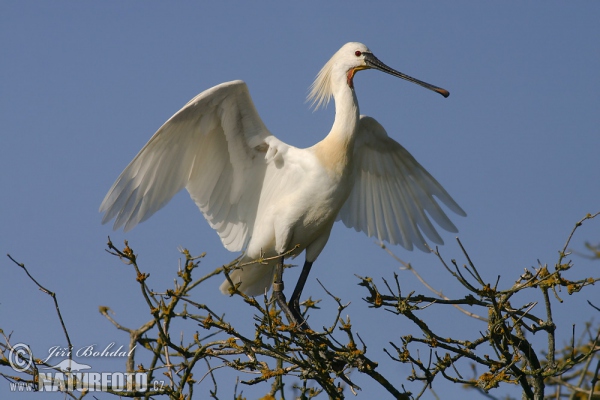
(299, 318)
(291, 309)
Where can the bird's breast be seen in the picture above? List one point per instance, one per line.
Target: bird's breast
(328, 186)
(334, 155)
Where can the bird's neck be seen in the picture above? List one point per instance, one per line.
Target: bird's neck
(336, 149)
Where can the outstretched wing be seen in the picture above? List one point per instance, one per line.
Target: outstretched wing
(393, 195)
(215, 147)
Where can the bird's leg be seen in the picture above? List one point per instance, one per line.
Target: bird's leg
(294, 303)
(278, 293)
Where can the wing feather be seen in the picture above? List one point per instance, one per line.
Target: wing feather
(214, 147)
(394, 198)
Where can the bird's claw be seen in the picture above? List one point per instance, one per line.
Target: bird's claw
(291, 309)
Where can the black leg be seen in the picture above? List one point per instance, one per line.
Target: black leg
(295, 299)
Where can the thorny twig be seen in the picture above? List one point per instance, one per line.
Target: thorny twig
(322, 361)
(515, 360)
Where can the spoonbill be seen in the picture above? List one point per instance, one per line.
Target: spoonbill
(267, 198)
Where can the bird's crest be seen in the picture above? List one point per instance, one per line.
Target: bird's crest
(321, 90)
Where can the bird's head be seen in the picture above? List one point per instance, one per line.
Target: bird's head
(348, 60)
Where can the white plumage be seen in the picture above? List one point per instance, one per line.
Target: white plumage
(263, 196)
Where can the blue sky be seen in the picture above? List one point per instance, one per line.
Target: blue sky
(83, 86)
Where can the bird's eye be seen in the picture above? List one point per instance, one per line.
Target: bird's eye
(357, 53)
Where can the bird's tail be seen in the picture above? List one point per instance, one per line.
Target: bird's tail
(256, 279)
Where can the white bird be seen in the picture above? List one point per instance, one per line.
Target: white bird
(265, 197)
